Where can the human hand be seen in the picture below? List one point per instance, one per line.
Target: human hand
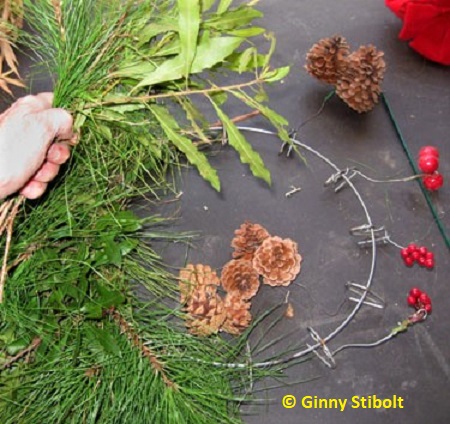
(34, 141)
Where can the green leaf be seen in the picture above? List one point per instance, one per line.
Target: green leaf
(209, 52)
(194, 115)
(122, 221)
(247, 32)
(243, 147)
(156, 28)
(276, 74)
(171, 129)
(92, 310)
(128, 245)
(224, 5)
(278, 121)
(188, 28)
(112, 250)
(17, 345)
(101, 339)
(207, 4)
(108, 298)
(246, 57)
(233, 19)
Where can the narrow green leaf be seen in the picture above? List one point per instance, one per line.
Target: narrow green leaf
(233, 19)
(188, 28)
(124, 221)
(194, 115)
(207, 4)
(245, 59)
(275, 74)
(243, 147)
(154, 29)
(273, 43)
(224, 5)
(209, 53)
(278, 121)
(247, 32)
(171, 129)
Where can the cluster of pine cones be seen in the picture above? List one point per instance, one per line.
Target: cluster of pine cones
(356, 76)
(256, 254)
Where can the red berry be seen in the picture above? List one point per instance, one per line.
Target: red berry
(411, 300)
(433, 182)
(429, 263)
(424, 299)
(415, 292)
(415, 255)
(411, 247)
(428, 308)
(422, 261)
(428, 164)
(429, 150)
(423, 250)
(429, 255)
(404, 253)
(409, 261)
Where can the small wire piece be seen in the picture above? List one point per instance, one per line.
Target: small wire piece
(292, 191)
(373, 299)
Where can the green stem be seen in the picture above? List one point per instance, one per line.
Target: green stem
(415, 169)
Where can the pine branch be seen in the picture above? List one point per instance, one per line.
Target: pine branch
(127, 329)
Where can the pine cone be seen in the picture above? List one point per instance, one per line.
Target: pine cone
(238, 316)
(248, 237)
(278, 261)
(206, 314)
(360, 85)
(327, 59)
(204, 307)
(240, 279)
(194, 276)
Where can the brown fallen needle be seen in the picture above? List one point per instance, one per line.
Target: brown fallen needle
(8, 213)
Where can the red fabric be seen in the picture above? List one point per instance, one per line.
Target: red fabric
(426, 25)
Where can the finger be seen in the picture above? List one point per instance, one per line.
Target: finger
(47, 172)
(58, 153)
(29, 104)
(59, 122)
(33, 189)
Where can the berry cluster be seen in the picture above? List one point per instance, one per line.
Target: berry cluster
(419, 254)
(419, 300)
(428, 163)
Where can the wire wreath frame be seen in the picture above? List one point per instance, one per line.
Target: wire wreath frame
(319, 347)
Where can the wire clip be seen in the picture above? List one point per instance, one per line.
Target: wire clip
(366, 230)
(340, 179)
(371, 299)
